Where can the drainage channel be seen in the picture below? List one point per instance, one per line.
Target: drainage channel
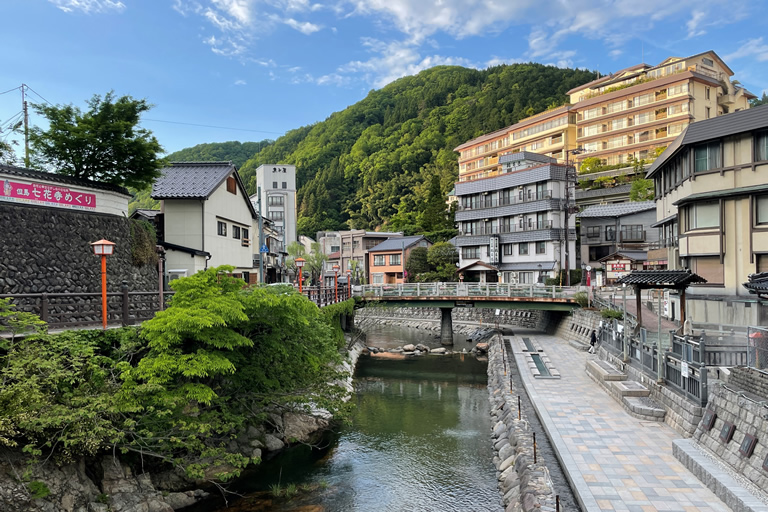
(544, 448)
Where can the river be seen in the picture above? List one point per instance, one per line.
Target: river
(419, 440)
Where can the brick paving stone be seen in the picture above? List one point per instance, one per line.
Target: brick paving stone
(616, 462)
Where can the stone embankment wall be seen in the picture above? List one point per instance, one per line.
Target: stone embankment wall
(524, 485)
(748, 413)
(47, 250)
(429, 318)
(578, 326)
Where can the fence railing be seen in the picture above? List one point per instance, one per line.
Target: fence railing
(683, 364)
(84, 309)
(467, 290)
(325, 295)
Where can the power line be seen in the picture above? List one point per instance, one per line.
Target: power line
(211, 126)
(11, 90)
(38, 94)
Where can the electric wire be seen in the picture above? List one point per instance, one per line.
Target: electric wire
(10, 90)
(39, 95)
(211, 126)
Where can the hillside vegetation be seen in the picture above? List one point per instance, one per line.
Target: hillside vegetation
(371, 165)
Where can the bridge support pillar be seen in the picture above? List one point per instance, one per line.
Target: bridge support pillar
(446, 326)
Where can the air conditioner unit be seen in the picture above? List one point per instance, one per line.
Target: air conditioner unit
(512, 277)
(176, 274)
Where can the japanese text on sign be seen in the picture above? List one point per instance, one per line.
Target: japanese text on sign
(41, 193)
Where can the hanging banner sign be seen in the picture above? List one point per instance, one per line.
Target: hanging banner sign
(46, 195)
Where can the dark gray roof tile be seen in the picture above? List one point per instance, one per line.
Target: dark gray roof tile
(191, 180)
(616, 209)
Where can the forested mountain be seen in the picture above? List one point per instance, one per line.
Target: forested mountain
(237, 152)
(371, 164)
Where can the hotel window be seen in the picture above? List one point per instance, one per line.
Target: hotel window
(222, 228)
(541, 247)
(704, 215)
(761, 146)
(591, 130)
(592, 146)
(618, 124)
(274, 184)
(236, 232)
(276, 215)
(394, 259)
(677, 89)
(708, 267)
(707, 95)
(761, 215)
(525, 277)
(378, 260)
(616, 106)
(708, 112)
(643, 99)
(523, 249)
(706, 156)
(470, 252)
(277, 200)
(285, 184)
(508, 249)
(593, 112)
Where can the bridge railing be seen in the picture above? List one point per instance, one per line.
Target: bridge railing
(466, 290)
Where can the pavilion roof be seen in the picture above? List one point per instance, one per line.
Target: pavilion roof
(661, 278)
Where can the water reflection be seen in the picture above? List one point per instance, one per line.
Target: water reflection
(418, 441)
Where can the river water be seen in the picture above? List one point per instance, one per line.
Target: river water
(419, 440)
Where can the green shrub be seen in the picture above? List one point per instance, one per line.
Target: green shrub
(582, 298)
(611, 313)
(38, 489)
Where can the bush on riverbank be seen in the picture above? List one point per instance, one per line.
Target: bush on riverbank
(180, 388)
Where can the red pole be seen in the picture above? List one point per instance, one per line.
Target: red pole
(104, 291)
(300, 280)
(336, 285)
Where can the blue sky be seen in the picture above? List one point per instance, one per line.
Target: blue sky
(253, 69)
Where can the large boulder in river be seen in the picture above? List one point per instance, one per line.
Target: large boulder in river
(301, 427)
(409, 347)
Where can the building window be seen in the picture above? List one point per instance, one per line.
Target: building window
(706, 156)
(761, 146)
(378, 278)
(246, 237)
(593, 232)
(708, 111)
(761, 214)
(285, 184)
(231, 185)
(276, 215)
(708, 267)
(541, 247)
(508, 249)
(704, 215)
(222, 228)
(276, 200)
(707, 62)
(522, 249)
(707, 96)
(610, 233)
(394, 259)
(274, 184)
(470, 252)
(236, 232)
(632, 233)
(378, 260)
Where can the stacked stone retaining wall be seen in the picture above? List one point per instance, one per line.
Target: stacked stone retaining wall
(429, 318)
(577, 327)
(750, 380)
(47, 250)
(523, 484)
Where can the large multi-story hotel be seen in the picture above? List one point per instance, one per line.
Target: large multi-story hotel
(629, 115)
(636, 112)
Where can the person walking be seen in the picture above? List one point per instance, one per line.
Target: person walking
(592, 342)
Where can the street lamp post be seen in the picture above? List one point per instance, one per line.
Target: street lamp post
(103, 248)
(349, 282)
(300, 264)
(336, 282)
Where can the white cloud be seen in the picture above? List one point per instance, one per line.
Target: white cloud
(615, 53)
(305, 27)
(752, 48)
(89, 6)
(240, 82)
(694, 24)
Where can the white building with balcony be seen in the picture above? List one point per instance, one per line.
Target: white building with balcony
(512, 222)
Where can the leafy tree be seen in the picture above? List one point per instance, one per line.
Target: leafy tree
(233, 151)
(443, 257)
(104, 143)
(295, 250)
(7, 156)
(315, 261)
(141, 200)
(763, 100)
(642, 190)
(590, 164)
(417, 263)
(434, 214)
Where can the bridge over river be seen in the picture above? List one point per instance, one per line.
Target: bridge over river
(447, 296)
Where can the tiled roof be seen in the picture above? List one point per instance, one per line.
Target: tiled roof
(757, 284)
(528, 265)
(604, 192)
(628, 254)
(616, 209)
(151, 214)
(661, 278)
(61, 178)
(191, 180)
(397, 244)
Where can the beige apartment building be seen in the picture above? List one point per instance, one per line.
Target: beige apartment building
(636, 112)
(712, 208)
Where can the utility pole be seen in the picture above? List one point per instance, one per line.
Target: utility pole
(26, 125)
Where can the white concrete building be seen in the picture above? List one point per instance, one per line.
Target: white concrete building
(277, 183)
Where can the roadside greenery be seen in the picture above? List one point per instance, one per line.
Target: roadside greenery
(178, 389)
(438, 264)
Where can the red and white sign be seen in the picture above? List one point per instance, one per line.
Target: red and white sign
(47, 195)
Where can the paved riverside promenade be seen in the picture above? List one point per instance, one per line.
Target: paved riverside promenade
(613, 460)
